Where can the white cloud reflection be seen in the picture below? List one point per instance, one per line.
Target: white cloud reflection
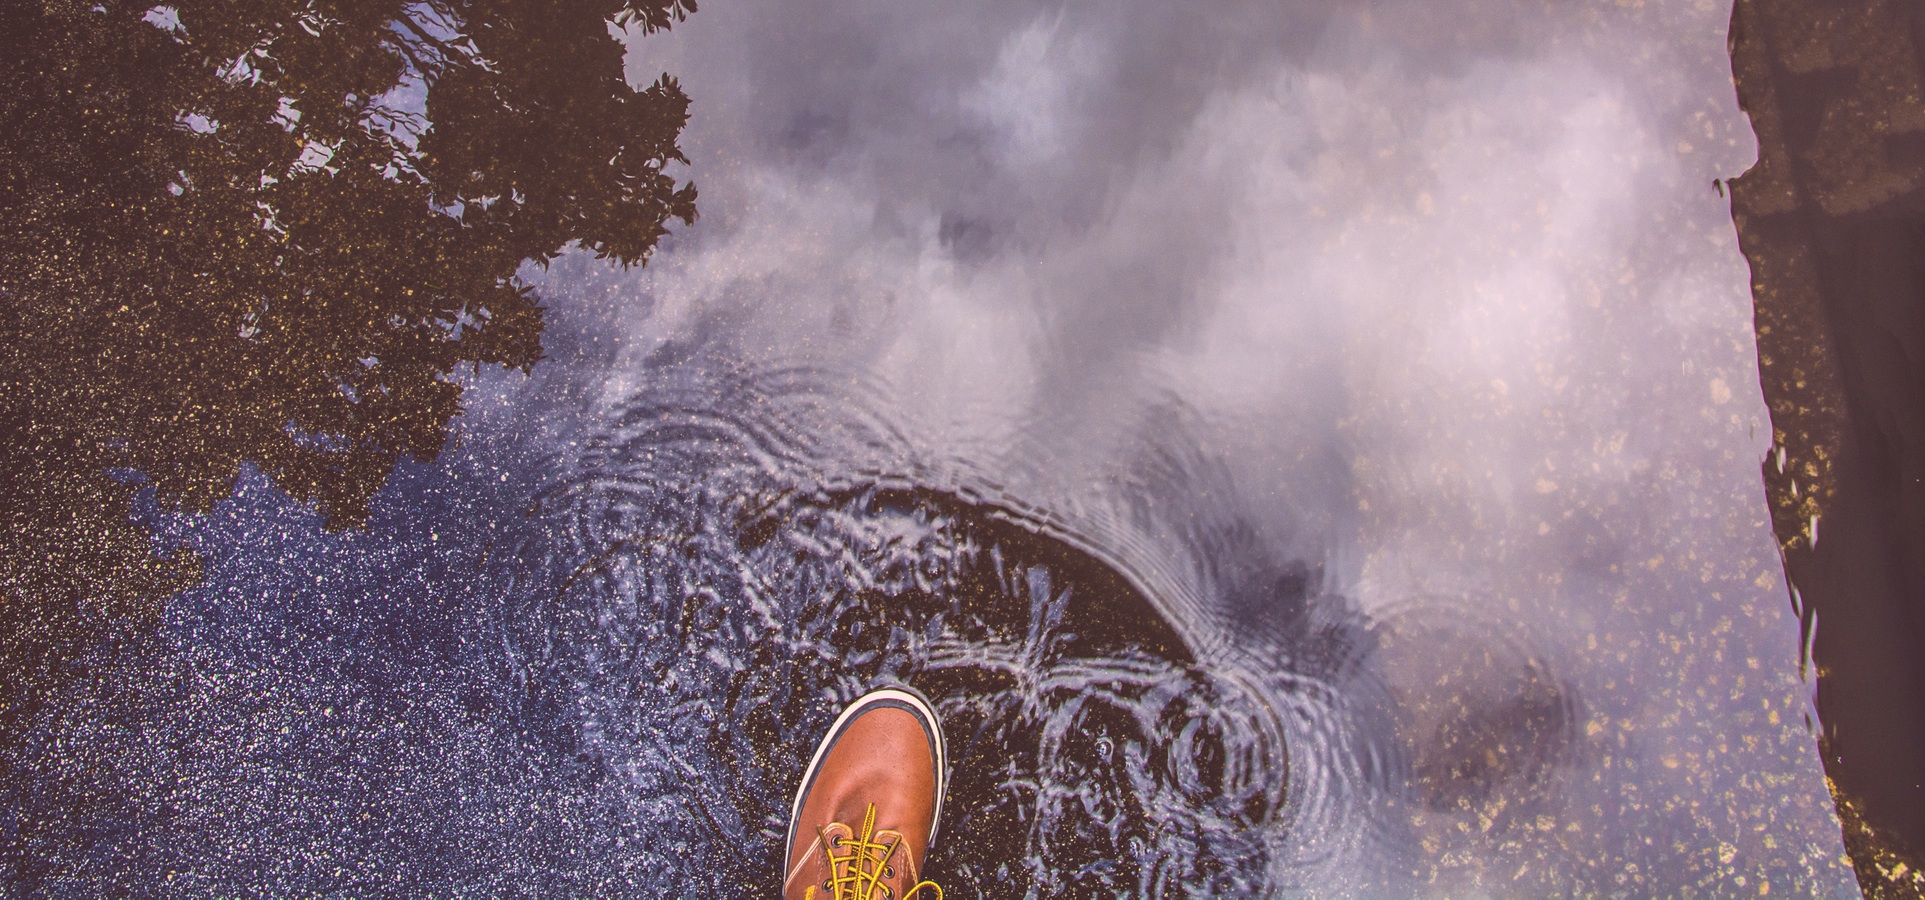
(1444, 287)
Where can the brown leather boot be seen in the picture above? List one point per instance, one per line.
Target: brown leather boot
(869, 804)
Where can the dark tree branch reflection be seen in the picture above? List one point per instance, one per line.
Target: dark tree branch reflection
(266, 231)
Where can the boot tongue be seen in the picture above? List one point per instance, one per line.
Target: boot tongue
(868, 869)
(880, 870)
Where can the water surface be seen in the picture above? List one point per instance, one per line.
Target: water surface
(1304, 450)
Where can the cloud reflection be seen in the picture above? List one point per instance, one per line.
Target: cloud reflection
(1444, 293)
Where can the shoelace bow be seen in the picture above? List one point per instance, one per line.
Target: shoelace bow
(857, 874)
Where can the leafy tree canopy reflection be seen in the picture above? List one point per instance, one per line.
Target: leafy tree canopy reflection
(266, 231)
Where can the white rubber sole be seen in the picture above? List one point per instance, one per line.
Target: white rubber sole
(899, 697)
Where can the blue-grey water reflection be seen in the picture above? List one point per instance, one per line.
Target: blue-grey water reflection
(1306, 449)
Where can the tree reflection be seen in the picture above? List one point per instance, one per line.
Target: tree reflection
(266, 231)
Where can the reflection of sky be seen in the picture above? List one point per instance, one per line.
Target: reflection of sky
(1437, 295)
(1444, 287)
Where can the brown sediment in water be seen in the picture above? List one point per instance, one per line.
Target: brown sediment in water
(1832, 221)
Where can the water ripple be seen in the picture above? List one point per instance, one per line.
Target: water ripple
(720, 568)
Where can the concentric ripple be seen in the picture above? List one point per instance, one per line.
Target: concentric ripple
(712, 577)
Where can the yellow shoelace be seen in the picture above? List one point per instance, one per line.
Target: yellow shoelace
(857, 874)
